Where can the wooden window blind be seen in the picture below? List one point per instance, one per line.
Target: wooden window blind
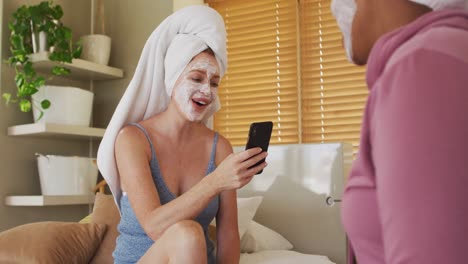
(334, 91)
(261, 81)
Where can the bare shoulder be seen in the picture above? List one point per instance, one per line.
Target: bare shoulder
(223, 149)
(129, 134)
(130, 140)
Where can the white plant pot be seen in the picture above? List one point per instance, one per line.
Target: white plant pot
(39, 41)
(96, 48)
(69, 105)
(61, 175)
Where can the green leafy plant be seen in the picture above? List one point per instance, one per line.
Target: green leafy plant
(27, 22)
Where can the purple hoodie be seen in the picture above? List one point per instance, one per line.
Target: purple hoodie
(406, 200)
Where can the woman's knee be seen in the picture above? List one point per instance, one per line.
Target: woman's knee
(187, 232)
(186, 236)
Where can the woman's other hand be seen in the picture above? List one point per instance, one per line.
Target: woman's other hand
(236, 170)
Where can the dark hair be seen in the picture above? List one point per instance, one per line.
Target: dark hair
(210, 51)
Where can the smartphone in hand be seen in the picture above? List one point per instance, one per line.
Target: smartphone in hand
(259, 136)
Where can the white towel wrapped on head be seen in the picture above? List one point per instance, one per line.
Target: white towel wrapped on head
(168, 50)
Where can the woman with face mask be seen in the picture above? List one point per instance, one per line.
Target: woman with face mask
(169, 173)
(405, 200)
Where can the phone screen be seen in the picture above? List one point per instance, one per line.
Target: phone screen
(259, 136)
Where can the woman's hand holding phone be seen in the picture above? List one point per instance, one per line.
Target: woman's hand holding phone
(238, 169)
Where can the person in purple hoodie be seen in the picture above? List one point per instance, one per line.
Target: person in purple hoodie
(406, 198)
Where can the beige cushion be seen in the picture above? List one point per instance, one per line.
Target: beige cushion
(212, 233)
(86, 220)
(105, 212)
(50, 242)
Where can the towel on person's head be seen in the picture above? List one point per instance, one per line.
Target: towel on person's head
(443, 4)
(168, 50)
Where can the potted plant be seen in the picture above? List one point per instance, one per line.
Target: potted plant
(31, 26)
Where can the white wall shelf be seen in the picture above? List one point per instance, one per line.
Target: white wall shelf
(80, 69)
(53, 130)
(41, 200)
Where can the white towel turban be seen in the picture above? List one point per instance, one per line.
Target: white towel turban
(168, 50)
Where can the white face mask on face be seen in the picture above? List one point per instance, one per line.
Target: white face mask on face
(344, 11)
(195, 94)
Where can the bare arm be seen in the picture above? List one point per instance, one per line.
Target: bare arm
(133, 155)
(227, 233)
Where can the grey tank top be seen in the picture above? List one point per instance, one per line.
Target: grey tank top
(132, 242)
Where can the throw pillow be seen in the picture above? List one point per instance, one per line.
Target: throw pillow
(105, 212)
(246, 209)
(50, 242)
(259, 237)
(86, 220)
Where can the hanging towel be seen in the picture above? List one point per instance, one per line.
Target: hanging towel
(168, 50)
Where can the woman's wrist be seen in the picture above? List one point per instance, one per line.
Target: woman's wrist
(211, 182)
